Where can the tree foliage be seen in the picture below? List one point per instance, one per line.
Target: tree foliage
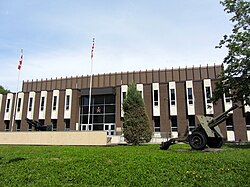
(136, 126)
(236, 74)
(3, 91)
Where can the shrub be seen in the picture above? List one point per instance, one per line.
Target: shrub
(136, 126)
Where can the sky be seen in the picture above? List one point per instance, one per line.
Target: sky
(130, 35)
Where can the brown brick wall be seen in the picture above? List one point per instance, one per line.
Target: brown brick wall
(118, 107)
(61, 105)
(219, 109)
(114, 79)
(36, 106)
(239, 125)
(164, 110)
(48, 108)
(147, 93)
(24, 124)
(2, 113)
(181, 109)
(198, 98)
(75, 118)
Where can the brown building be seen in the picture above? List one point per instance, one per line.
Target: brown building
(172, 98)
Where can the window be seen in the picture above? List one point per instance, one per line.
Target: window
(227, 96)
(67, 102)
(54, 102)
(109, 118)
(102, 111)
(109, 99)
(8, 105)
(41, 121)
(42, 103)
(190, 96)
(191, 122)
(67, 124)
(208, 94)
(174, 126)
(7, 125)
(156, 99)
(229, 123)
(248, 122)
(18, 125)
(110, 129)
(124, 95)
(157, 123)
(98, 118)
(19, 105)
(30, 103)
(29, 127)
(54, 124)
(98, 127)
(172, 96)
(110, 109)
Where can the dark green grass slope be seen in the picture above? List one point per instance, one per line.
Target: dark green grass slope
(145, 165)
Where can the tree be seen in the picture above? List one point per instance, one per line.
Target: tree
(136, 126)
(236, 75)
(3, 91)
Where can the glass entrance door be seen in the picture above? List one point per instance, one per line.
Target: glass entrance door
(110, 129)
(86, 127)
(102, 112)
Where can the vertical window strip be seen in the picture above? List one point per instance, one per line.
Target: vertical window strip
(190, 95)
(30, 103)
(8, 105)
(156, 98)
(67, 102)
(172, 95)
(208, 94)
(42, 103)
(54, 102)
(19, 104)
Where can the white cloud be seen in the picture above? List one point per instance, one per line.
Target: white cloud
(56, 36)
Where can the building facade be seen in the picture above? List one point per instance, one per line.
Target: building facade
(172, 98)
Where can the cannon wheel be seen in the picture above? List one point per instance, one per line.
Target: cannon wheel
(198, 140)
(215, 142)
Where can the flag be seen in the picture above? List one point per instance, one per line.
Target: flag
(20, 60)
(92, 49)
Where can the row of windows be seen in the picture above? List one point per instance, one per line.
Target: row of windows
(98, 109)
(31, 104)
(30, 128)
(174, 123)
(189, 93)
(97, 119)
(98, 100)
(173, 96)
(41, 105)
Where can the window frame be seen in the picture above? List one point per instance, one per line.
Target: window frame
(54, 107)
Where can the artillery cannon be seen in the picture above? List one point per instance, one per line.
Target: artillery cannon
(207, 133)
(38, 125)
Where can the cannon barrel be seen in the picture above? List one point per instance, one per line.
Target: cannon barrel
(39, 126)
(222, 117)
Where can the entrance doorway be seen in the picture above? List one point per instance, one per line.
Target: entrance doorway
(102, 113)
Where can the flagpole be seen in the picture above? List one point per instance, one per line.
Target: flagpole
(90, 83)
(16, 94)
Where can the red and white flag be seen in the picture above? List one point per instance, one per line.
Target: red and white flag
(92, 49)
(20, 61)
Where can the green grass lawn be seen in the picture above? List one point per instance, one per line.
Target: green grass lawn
(145, 165)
